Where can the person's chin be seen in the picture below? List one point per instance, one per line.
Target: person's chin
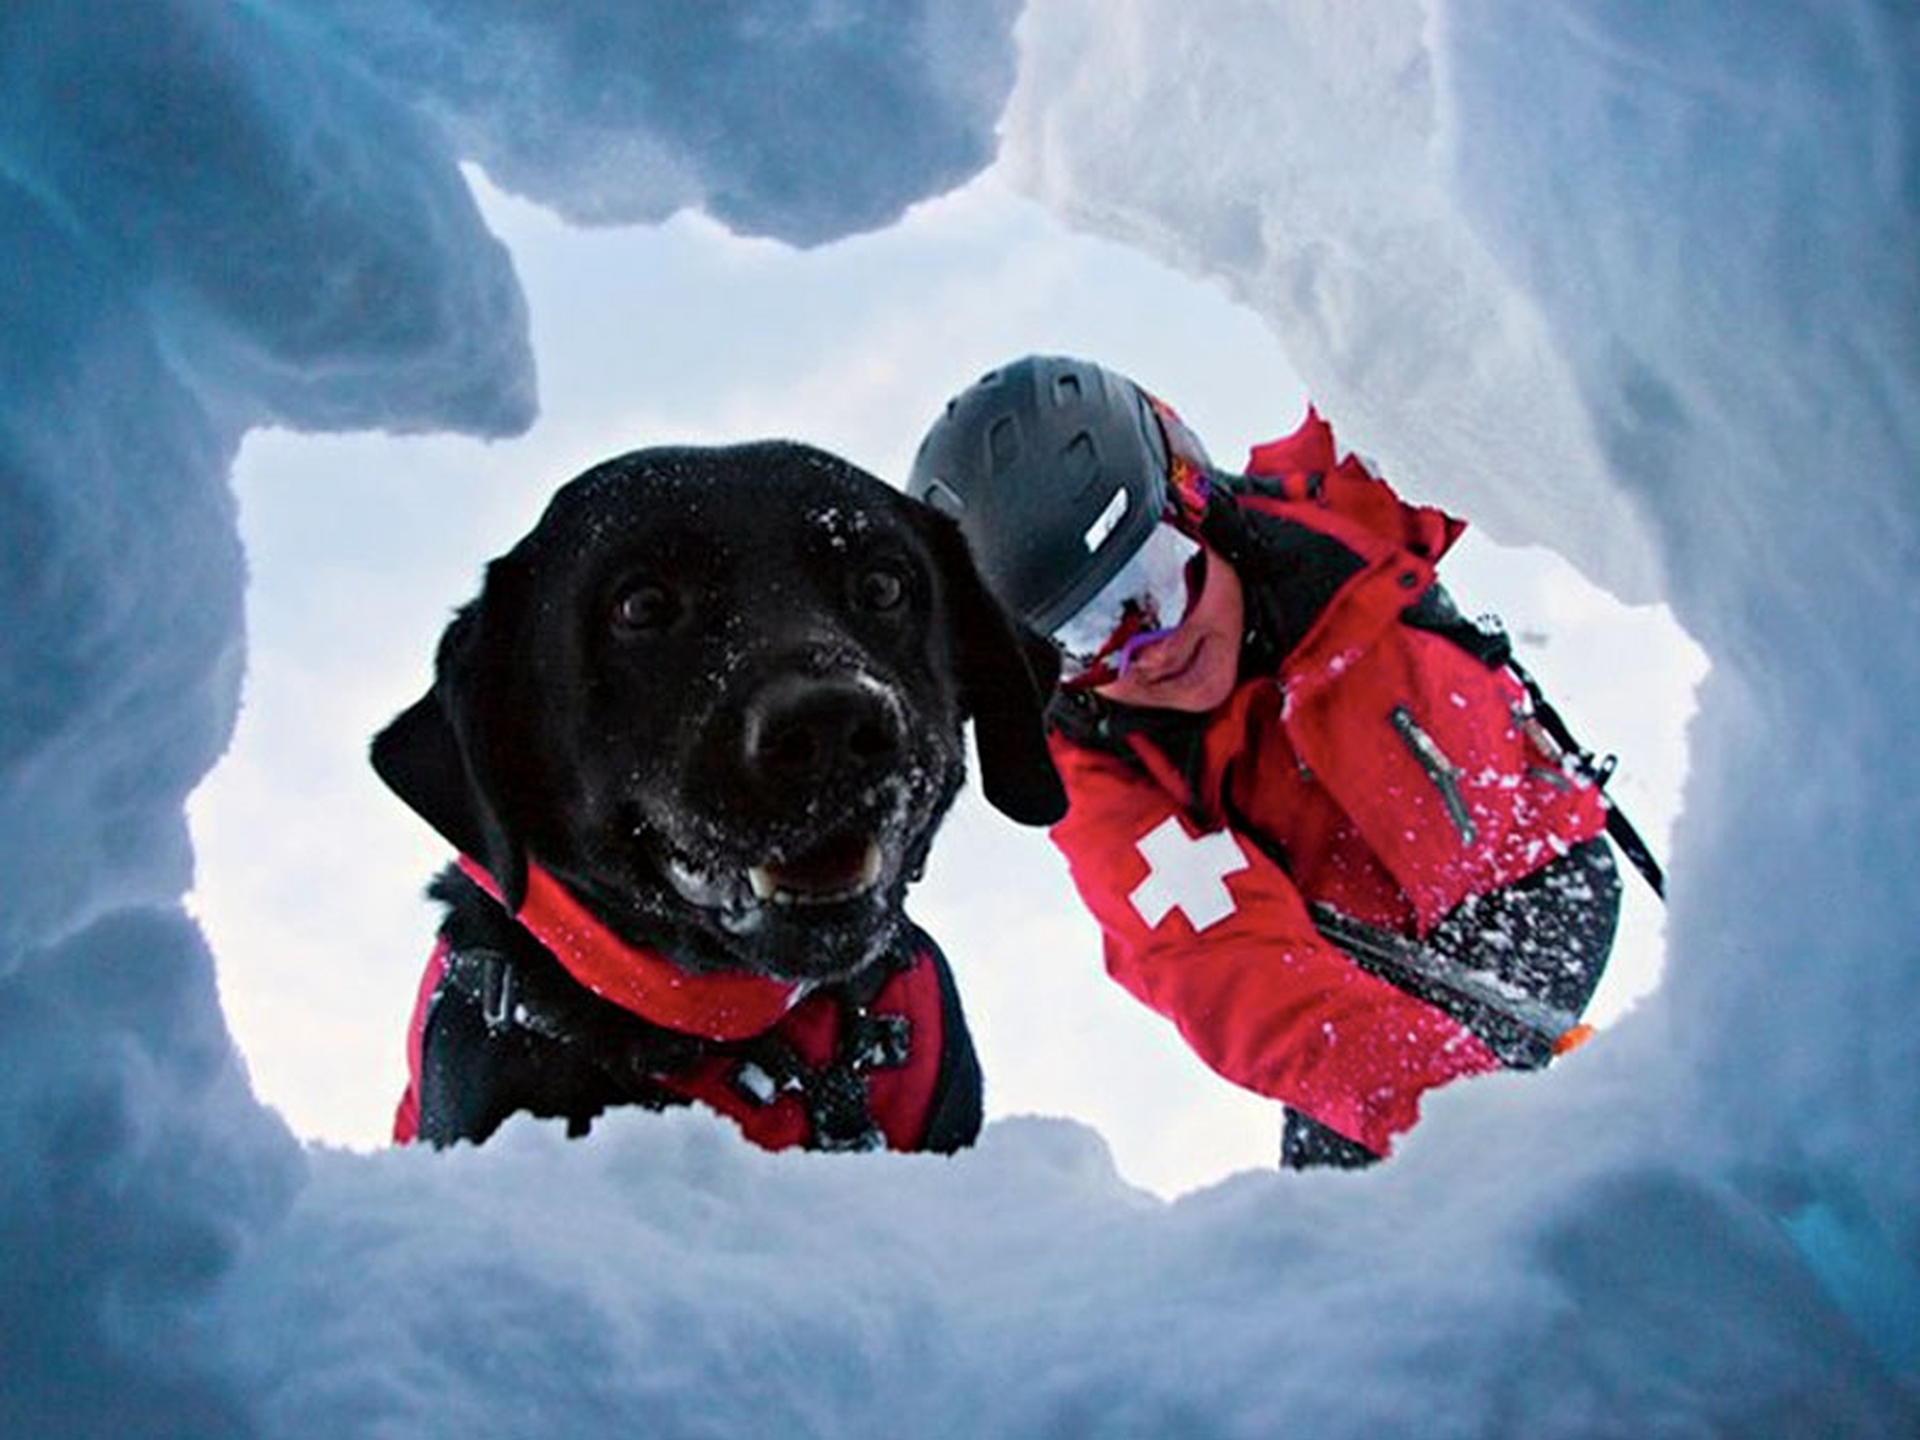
(1199, 683)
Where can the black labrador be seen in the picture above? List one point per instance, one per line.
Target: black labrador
(692, 742)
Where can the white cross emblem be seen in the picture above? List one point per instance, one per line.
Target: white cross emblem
(1188, 874)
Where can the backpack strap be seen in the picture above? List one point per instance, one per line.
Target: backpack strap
(1487, 638)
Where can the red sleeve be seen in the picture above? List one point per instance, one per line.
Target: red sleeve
(1209, 932)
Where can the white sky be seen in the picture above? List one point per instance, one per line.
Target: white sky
(360, 547)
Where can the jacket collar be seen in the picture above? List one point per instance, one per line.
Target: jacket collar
(637, 979)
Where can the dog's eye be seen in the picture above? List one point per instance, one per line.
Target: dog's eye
(881, 588)
(644, 607)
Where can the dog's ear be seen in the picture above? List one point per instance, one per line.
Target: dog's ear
(443, 754)
(1007, 675)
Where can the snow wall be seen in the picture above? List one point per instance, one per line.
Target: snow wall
(1640, 284)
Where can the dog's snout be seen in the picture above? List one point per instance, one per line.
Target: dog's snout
(801, 728)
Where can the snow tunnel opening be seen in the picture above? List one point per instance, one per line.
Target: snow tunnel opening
(311, 874)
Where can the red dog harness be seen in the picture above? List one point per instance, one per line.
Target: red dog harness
(773, 1047)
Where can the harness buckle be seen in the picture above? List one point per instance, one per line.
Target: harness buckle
(878, 1042)
(496, 990)
(770, 1070)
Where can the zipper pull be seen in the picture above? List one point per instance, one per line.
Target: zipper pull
(1442, 771)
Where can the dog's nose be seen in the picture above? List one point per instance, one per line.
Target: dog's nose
(805, 728)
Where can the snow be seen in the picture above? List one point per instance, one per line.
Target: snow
(1637, 283)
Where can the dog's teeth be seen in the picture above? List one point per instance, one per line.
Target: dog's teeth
(768, 887)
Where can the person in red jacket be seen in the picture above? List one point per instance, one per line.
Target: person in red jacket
(1310, 807)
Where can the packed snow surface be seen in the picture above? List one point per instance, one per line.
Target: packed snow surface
(1639, 282)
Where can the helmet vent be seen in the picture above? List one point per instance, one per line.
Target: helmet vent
(1003, 442)
(1080, 462)
(1066, 389)
(1109, 520)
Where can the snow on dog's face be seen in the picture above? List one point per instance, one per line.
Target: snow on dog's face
(719, 694)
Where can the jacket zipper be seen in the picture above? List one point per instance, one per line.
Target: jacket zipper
(1442, 771)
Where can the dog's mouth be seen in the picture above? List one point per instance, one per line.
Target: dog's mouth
(843, 867)
(807, 895)
(840, 869)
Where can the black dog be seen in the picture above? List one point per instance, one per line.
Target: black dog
(692, 742)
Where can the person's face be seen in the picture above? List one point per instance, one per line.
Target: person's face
(1194, 666)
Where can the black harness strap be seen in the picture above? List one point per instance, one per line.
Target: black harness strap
(643, 1058)
(835, 1094)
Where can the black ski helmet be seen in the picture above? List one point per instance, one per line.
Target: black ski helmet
(1056, 470)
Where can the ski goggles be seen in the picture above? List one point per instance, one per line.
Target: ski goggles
(1144, 602)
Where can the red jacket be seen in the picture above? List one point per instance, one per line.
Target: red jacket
(1377, 767)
